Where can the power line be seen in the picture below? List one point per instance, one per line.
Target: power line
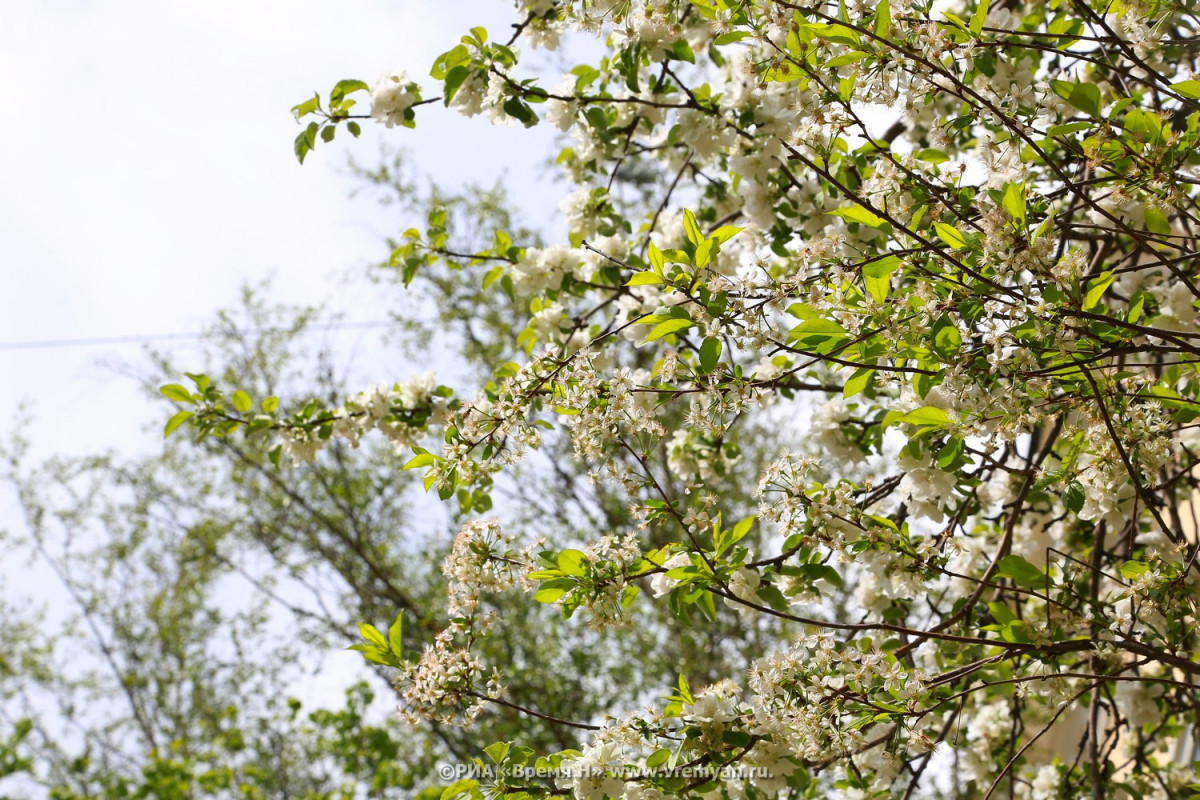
(160, 337)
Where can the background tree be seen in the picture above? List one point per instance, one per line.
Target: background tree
(959, 241)
(203, 582)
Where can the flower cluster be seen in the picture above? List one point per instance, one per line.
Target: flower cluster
(926, 273)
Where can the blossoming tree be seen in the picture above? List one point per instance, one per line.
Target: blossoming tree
(943, 254)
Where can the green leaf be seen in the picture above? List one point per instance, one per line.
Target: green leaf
(883, 19)
(1001, 613)
(710, 354)
(572, 562)
(1021, 572)
(691, 228)
(1156, 220)
(448, 61)
(1086, 97)
(459, 787)
(877, 277)
(656, 258)
(1071, 127)
(497, 751)
(242, 402)
(422, 459)
(927, 415)
(307, 107)
(1096, 288)
(1014, 202)
(1189, 89)
(858, 214)
(666, 328)
(343, 88)
(950, 453)
(370, 634)
(950, 235)
(946, 338)
(1130, 570)
(846, 87)
(175, 421)
(394, 633)
(1073, 497)
(724, 233)
(740, 530)
(933, 156)
(858, 382)
(816, 331)
(978, 18)
(519, 110)
(644, 279)
(305, 141)
(685, 691)
(173, 391)
(682, 51)
(270, 404)
(551, 591)
(1135, 308)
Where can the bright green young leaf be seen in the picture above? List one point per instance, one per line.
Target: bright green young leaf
(858, 382)
(572, 562)
(819, 334)
(1189, 89)
(883, 19)
(1131, 570)
(1156, 220)
(371, 634)
(552, 591)
(173, 391)
(395, 632)
(241, 402)
(1086, 97)
(175, 421)
(346, 87)
(946, 338)
(1001, 613)
(1096, 288)
(1021, 572)
(857, 213)
(666, 328)
(497, 751)
(459, 787)
(950, 235)
(877, 277)
(644, 279)
(926, 415)
(691, 228)
(656, 258)
(1014, 202)
(724, 233)
(710, 354)
(422, 459)
(979, 17)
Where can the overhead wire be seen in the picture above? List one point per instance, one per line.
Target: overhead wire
(194, 335)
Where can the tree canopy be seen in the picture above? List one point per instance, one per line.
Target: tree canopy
(837, 442)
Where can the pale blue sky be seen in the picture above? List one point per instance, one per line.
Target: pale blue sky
(147, 173)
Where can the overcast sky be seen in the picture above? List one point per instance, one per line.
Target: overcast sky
(148, 173)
